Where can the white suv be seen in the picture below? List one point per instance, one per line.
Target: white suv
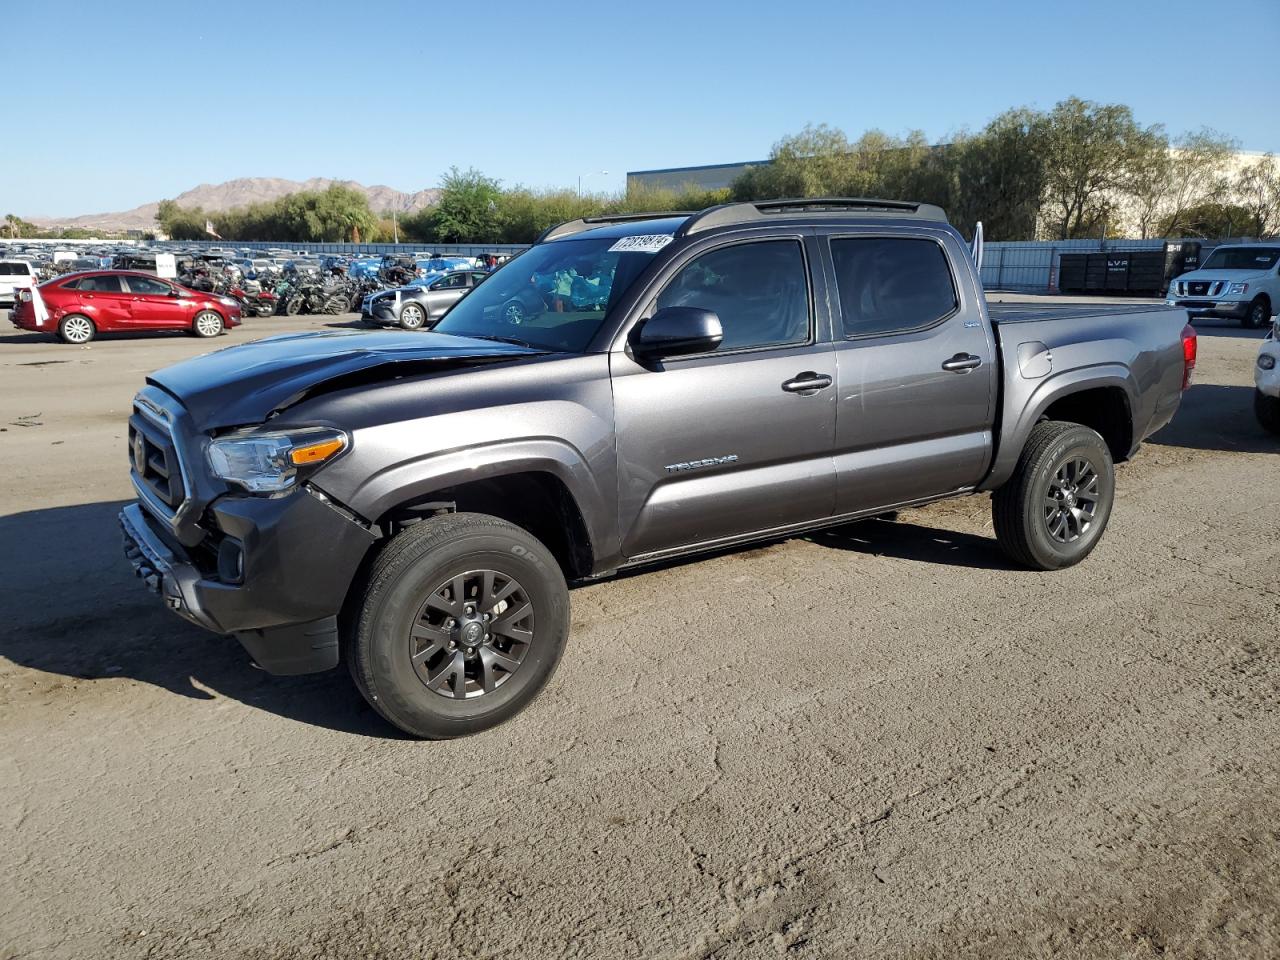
(15, 273)
(1266, 379)
(1239, 280)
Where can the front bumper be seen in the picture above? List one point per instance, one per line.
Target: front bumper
(296, 557)
(380, 311)
(1268, 381)
(1198, 307)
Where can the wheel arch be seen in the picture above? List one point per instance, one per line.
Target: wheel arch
(1104, 399)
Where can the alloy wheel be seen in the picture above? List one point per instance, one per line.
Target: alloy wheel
(78, 329)
(471, 634)
(1071, 502)
(208, 325)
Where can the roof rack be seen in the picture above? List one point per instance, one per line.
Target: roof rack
(727, 214)
(570, 227)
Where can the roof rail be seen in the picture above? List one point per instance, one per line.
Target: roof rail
(570, 227)
(727, 214)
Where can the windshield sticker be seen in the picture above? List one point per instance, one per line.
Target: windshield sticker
(649, 243)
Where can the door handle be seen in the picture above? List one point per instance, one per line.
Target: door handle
(806, 382)
(962, 363)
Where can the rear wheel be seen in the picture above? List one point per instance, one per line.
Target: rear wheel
(76, 329)
(412, 316)
(1258, 315)
(513, 312)
(1052, 511)
(206, 324)
(1267, 410)
(461, 626)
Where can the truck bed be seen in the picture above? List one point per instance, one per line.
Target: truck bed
(1002, 313)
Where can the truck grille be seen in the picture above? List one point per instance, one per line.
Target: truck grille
(1203, 288)
(153, 459)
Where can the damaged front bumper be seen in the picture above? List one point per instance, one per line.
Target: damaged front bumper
(277, 580)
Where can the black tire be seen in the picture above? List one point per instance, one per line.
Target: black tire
(1267, 410)
(408, 581)
(76, 329)
(514, 312)
(293, 307)
(1030, 528)
(207, 324)
(1259, 314)
(413, 316)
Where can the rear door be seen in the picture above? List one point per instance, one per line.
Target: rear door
(103, 299)
(726, 443)
(156, 305)
(916, 367)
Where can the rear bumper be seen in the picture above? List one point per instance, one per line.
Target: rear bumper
(289, 563)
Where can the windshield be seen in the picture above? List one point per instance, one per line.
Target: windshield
(553, 297)
(1242, 258)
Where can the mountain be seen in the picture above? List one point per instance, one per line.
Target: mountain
(240, 193)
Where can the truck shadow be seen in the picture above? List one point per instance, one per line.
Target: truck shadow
(1217, 417)
(70, 606)
(903, 540)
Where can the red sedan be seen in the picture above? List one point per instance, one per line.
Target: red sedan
(82, 305)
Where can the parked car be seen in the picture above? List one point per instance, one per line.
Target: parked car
(419, 306)
(416, 502)
(1266, 379)
(82, 305)
(15, 274)
(1239, 281)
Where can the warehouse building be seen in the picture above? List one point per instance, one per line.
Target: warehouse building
(714, 176)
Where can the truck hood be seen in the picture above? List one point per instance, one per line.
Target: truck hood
(250, 382)
(1230, 276)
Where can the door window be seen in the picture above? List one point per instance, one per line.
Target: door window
(147, 287)
(99, 285)
(891, 284)
(450, 282)
(759, 290)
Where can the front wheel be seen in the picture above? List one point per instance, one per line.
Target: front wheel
(1052, 511)
(462, 624)
(412, 316)
(1258, 315)
(1267, 410)
(207, 324)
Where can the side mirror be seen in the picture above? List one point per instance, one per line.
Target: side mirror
(677, 332)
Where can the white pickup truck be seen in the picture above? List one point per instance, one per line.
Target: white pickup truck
(15, 273)
(1239, 281)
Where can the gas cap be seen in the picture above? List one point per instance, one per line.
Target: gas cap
(1034, 360)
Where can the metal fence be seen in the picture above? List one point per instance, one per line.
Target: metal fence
(444, 249)
(1031, 266)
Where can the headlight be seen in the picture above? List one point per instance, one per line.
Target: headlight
(273, 462)
(228, 302)
(1266, 361)
(1238, 288)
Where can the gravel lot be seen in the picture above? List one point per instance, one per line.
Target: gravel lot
(879, 741)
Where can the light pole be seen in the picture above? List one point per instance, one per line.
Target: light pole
(581, 176)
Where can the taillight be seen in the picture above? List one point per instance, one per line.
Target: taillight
(1188, 354)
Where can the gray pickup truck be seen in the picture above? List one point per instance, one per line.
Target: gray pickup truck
(416, 502)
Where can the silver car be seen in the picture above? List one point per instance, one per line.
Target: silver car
(419, 306)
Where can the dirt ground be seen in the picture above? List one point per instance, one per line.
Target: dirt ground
(880, 741)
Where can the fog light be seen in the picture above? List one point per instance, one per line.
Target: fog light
(230, 561)
(1266, 361)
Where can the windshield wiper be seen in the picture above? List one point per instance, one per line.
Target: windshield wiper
(515, 340)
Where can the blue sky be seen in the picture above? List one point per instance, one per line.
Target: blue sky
(131, 102)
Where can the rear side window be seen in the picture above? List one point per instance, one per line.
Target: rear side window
(891, 284)
(98, 284)
(759, 290)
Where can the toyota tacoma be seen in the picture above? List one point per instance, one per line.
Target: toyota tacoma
(416, 503)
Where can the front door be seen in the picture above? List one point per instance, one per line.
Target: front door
(737, 440)
(917, 370)
(155, 305)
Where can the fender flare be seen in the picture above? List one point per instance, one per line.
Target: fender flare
(1013, 437)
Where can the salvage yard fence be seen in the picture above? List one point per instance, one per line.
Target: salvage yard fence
(1028, 266)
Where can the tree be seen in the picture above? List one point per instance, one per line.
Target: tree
(1258, 188)
(181, 223)
(1000, 175)
(1211, 218)
(467, 211)
(1165, 183)
(1090, 150)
